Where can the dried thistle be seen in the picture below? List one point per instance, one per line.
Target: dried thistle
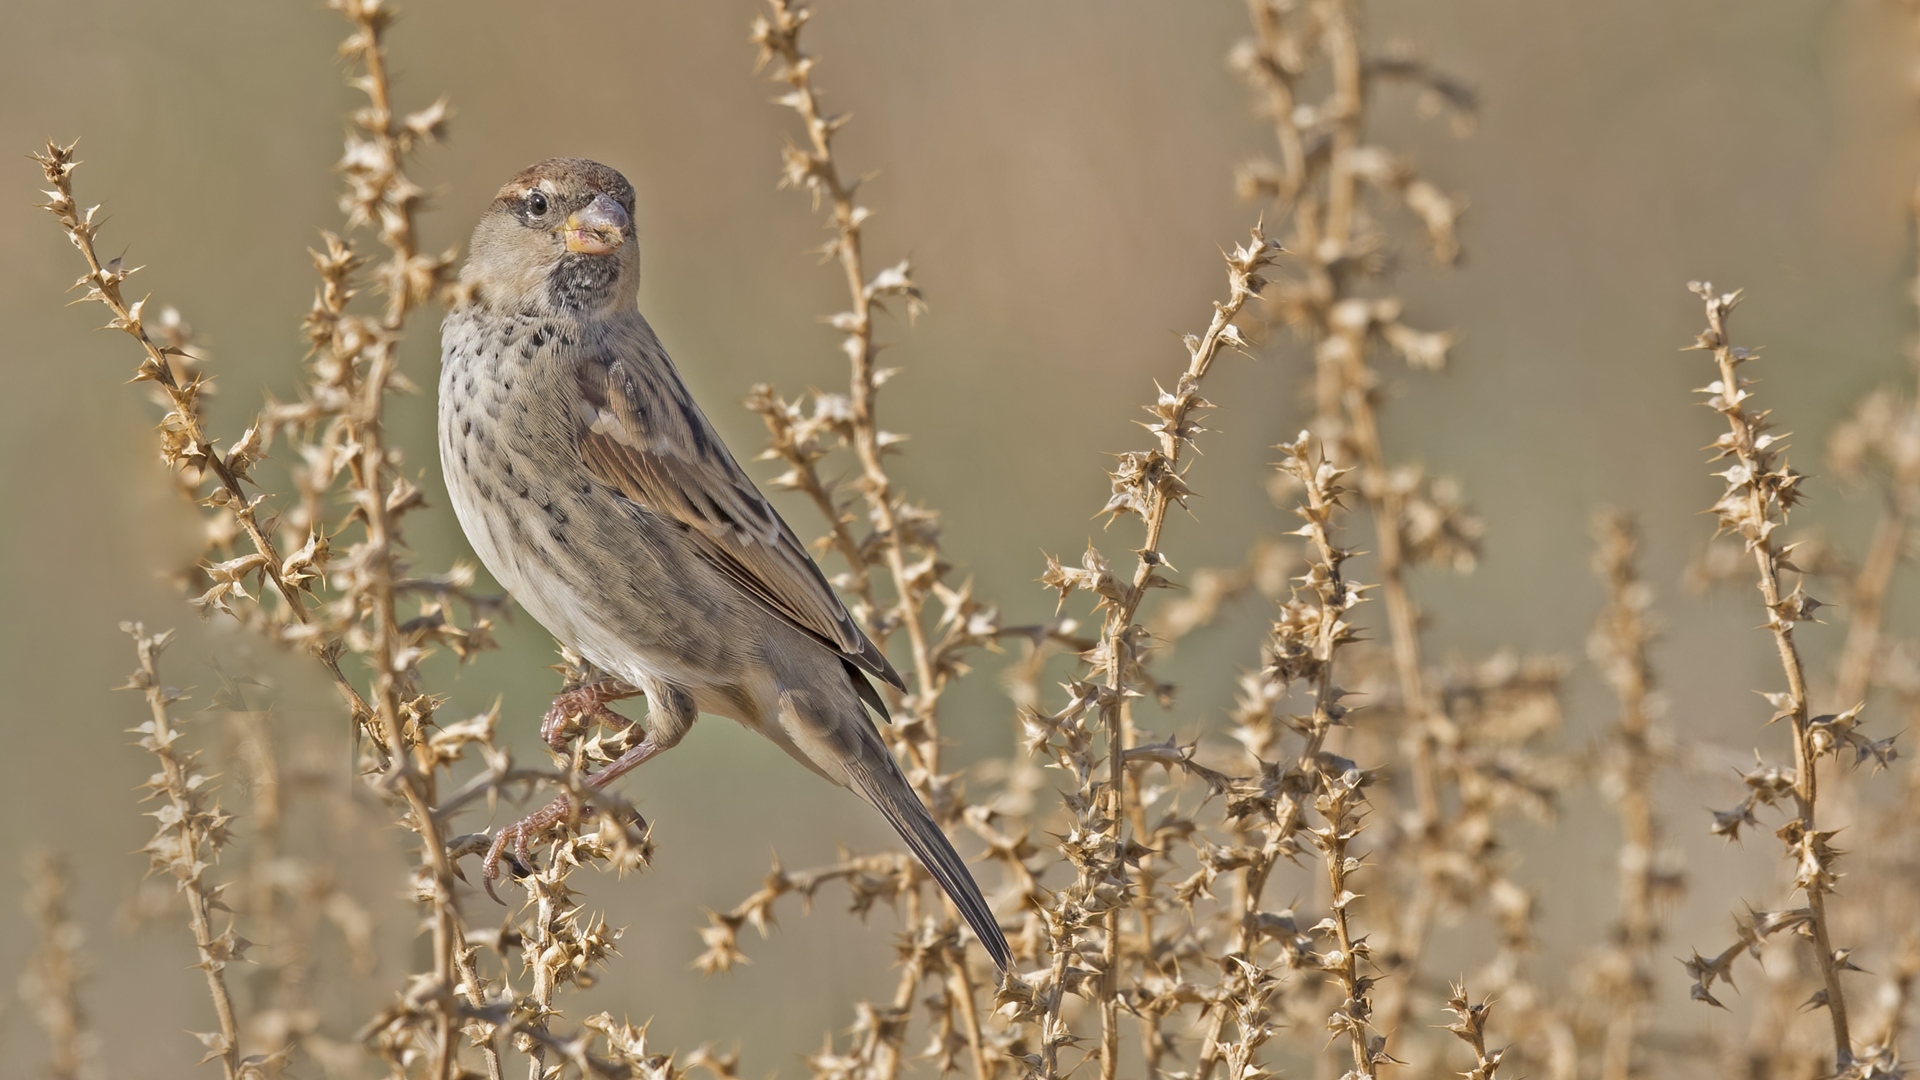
(1146, 484)
(901, 546)
(1621, 972)
(1761, 489)
(191, 831)
(51, 983)
(1467, 739)
(1470, 1027)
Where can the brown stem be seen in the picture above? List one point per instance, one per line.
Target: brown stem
(190, 821)
(1756, 520)
(805, 478)
(1052, 1030)
(1161, 479)
(470, 978)
(104, 283)
(371, 487)
(963, 989)
(1347, 388)
(1620, 649)
(1334, 597)
(815, 167)
(50, 985)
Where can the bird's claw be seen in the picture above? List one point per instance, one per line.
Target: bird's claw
(519, 834)
(574, 710)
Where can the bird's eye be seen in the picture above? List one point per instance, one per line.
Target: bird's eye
(536, 203)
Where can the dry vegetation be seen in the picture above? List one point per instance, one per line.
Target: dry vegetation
(1141, 878)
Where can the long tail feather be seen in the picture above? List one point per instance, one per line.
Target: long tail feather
(880, 783)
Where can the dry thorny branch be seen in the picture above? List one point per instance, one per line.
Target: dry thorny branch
(1620, 975)
(51, 983)
(1761, 489)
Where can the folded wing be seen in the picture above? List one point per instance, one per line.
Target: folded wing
(648, 440)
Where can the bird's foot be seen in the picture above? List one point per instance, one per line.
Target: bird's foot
(573, 710)
(521, 834)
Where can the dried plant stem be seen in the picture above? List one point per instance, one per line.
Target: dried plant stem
(816, 168)
(185, 442)
(345, 460)
(1334, 594)
(1119, 636)
(1326, 166)
(1053, 1029)
(1248, 888)
(1149, 873)
(191, 834)
(1894, 532)
(270, 877)
(1760, 491)
(1892, 535)
(483, 1032)
(548, 915)
(51, 984)
(1275, 78)
(1345, 376)
(1304, 648)
(362, 359)
(1339, 801)
(891, 1052)
(360, 373)
(1347, 389)
(964, 990)
(1619, 647)
(1354, 1011)
(1470, 1027)
(1147, 484)
(900, 548)
(1403, 618)
(187, 445)
(803, 475)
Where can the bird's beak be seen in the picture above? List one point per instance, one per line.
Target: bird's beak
(599, 228)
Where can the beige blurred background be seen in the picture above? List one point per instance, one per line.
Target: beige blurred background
(1060, 173)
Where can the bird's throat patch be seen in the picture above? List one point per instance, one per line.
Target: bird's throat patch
(581, 281)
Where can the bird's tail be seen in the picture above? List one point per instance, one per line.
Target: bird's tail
(877, 778)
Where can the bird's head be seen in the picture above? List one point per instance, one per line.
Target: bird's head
(558, 238)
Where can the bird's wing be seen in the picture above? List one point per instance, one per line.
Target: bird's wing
(647, 439)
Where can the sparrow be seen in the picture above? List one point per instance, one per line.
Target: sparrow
(598, 494)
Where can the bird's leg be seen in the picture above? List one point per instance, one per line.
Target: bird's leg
(669, 716)
(561, 809)
(577, 706)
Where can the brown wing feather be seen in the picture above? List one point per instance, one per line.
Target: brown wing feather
(663, 455)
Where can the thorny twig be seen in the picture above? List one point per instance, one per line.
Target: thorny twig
(51, 983)
(1322, 179)
(1761, 490)
(903, 542)
(1630, 762)
(184, 441)
(1470, 1027)
(1338, 797)
(192, 830)
(1147, 484)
